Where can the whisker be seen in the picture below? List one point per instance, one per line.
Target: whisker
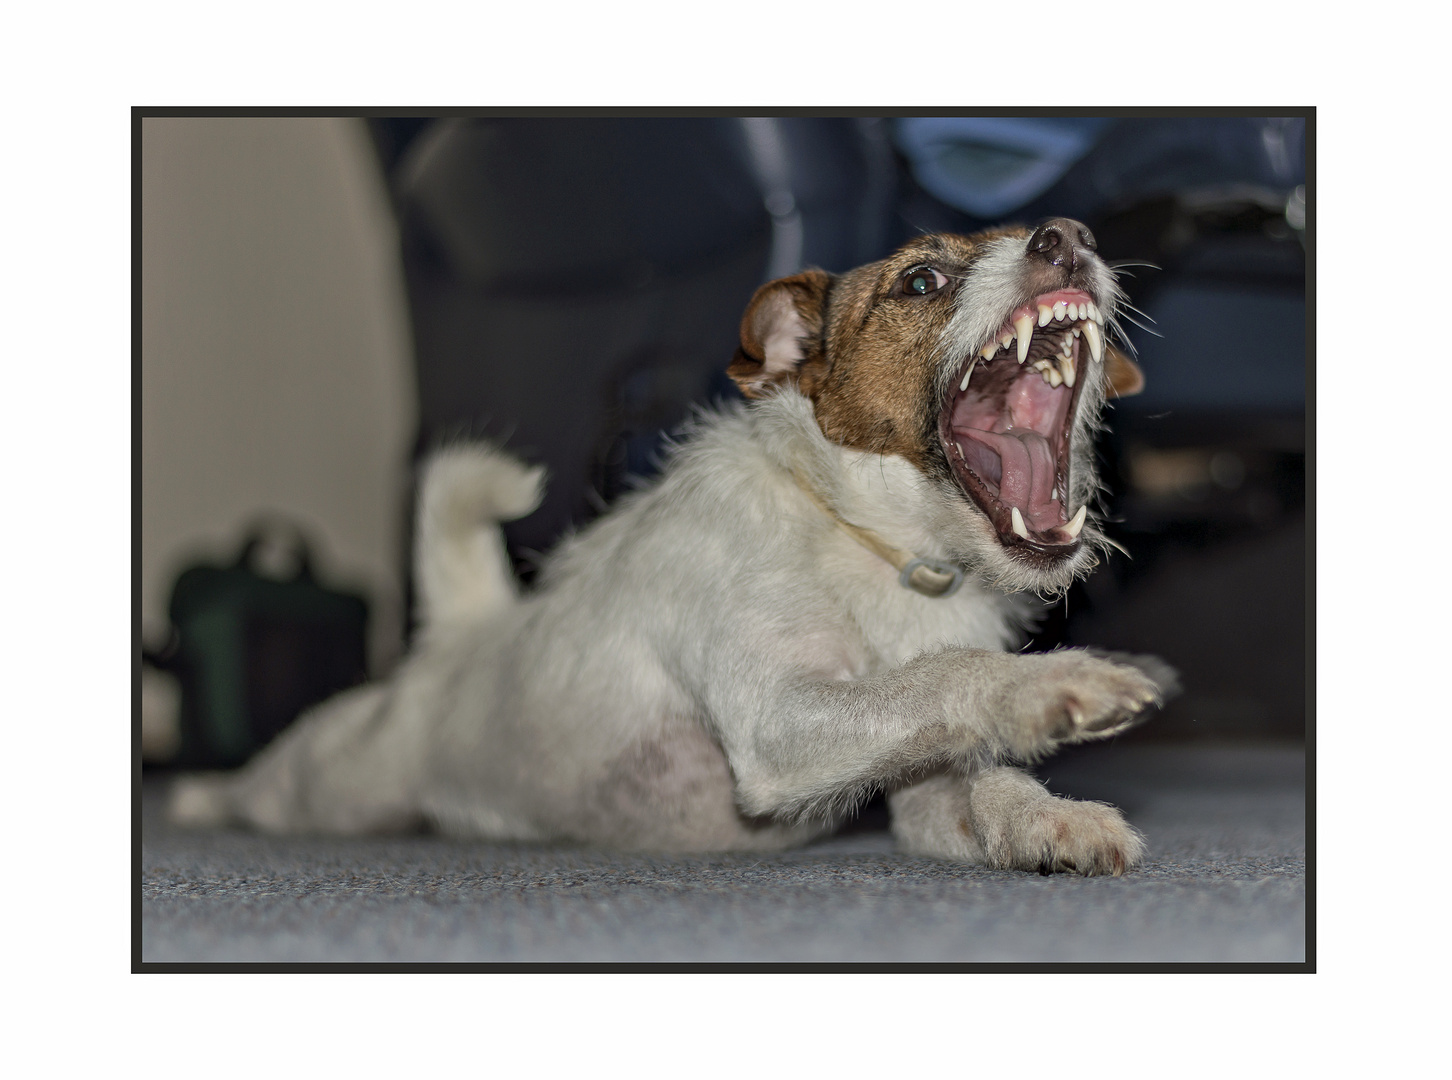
(1115, 546)
(1142, 326)
(1126, 304)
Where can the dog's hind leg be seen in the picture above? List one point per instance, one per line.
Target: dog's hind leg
(342, 768)
(1005, 819)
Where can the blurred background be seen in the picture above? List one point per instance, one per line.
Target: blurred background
(325, 299)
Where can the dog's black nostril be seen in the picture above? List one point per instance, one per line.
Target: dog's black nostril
(1045, 238)
(1059, 240)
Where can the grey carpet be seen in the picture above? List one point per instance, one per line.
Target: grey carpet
(1225, 882)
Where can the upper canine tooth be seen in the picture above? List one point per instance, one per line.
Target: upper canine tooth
(1077, 522)
(1095, 339)
(1023, 329)
(1045, 314)
(967, 375)
(1018, 525)
(1060, 310)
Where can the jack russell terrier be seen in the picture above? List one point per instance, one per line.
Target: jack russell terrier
(814, 601)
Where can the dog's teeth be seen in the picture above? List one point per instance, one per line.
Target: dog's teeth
(1060, 310)
(1076, 523)
(1045, 314)
(1018, 525)
(1023, 329)
(986, 353)
(1055, 379)
(1066, 347)
(960, 451)
(966, 376)
(1075, 331)
(1095, 339)
(1095, 313)
(1074, 315)
(1066, 368)
(1007, 340)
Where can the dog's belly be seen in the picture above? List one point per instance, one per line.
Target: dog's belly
(666, 788)
(672, 790)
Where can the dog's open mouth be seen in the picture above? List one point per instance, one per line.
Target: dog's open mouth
(1009, 417)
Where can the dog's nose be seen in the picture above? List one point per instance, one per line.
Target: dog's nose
(1061, 241)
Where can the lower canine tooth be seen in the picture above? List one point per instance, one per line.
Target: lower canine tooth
(1077, 523)
(1018, 526)
(1095, 339)
(1023, 329)
(966, 376)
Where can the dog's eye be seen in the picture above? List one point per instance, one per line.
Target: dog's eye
(923, 280)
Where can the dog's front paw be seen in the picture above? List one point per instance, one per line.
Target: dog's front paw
(1055, 835)
(1071, 697)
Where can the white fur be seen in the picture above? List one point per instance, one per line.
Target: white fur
(713, 665)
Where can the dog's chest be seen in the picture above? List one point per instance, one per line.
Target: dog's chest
(896, 624)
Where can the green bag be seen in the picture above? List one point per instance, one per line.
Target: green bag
(253, 651)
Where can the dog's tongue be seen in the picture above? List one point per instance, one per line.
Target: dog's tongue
(1027, 474)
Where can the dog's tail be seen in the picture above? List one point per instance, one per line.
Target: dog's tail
(460, 565)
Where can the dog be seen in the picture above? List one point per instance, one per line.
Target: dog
(817, 599)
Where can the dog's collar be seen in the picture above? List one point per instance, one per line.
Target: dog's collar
(930, 577)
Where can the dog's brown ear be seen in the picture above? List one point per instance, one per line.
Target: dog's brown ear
(781, 332)
(1125, 377)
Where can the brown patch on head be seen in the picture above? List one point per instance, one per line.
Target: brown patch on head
(866, 344)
